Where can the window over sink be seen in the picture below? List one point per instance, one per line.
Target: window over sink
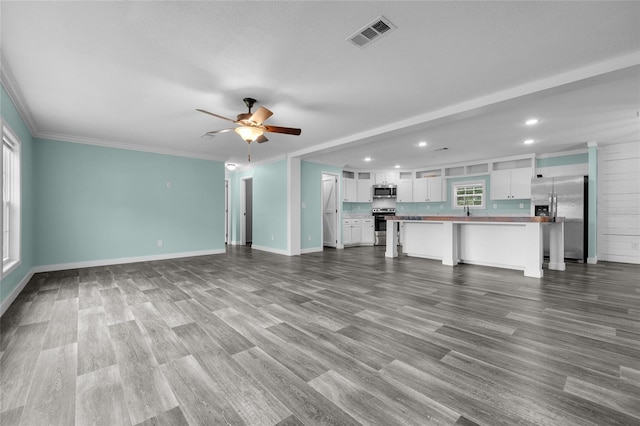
(471, 194)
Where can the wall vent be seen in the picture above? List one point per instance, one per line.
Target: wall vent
(372, 32)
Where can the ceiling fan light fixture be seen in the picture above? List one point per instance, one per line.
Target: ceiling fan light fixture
(248, 133)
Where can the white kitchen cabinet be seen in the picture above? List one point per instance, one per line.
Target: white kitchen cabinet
(387, 177)
(511, 184)
(367, 235)
(428, 189)
(364, 187)
(351, 232)
(349, 190)
(405, 188)
(357, 232)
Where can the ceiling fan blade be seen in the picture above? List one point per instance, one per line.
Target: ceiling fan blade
(262, 139)
(285, 130)
(215, 115)
(261, 115)
(215, 132)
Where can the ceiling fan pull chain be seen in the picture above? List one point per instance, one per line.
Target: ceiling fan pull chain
(249, 152)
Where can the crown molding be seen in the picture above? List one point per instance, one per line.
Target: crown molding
(13, 90)
(127, 146)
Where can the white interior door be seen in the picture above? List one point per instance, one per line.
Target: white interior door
(329, 210)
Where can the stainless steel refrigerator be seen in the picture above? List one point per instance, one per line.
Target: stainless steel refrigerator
(566, 197)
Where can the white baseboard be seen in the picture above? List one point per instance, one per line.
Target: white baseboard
(122, 260)
(16, 291)
(270, 250)
(311, 250)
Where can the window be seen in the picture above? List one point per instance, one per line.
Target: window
(468, 194)
(10, 200)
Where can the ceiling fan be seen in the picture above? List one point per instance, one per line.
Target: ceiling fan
(251, 127)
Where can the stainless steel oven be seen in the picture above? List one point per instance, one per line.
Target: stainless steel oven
(380, 224)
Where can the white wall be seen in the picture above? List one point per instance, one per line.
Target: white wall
(619, 203)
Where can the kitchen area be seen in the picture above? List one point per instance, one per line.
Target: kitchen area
(533, 218)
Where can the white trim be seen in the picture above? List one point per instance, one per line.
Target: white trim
(270, 250)
(124, 260)
(592, 260)
(15, 292)
(8, 81)
(15, 227)
(311, 250)
(128, 146)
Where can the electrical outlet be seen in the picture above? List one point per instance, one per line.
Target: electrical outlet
(273, 237)
(635, 245)
(304, 205)
(495, 206)
(159, 243)
(522, 205)
(309, 237)
(168, 184)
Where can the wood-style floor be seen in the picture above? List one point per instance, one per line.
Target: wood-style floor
(341, 337)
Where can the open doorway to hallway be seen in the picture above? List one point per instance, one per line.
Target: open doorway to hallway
(247, 211)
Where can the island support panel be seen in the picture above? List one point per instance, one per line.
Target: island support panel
(511, 245)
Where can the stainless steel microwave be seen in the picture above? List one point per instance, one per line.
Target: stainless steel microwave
(384, 191)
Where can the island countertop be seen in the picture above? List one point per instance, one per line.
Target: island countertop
(532, 219)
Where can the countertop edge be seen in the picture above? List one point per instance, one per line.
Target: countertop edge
(490, 219)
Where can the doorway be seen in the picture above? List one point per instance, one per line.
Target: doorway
(247, 211)
(330, 210)
(226, 211)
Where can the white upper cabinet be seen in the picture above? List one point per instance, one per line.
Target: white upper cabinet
(387, 177)
(349, 190)
(511, 180)
(364, 187)
(428, 189)
(405, 187)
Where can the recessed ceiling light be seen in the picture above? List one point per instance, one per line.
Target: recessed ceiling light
(528, 142)
(421, 144)
(367, 158)
(531, 121)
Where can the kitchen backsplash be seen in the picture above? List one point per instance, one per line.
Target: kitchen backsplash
(495, 208)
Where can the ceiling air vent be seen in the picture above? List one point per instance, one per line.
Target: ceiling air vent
(372, 31)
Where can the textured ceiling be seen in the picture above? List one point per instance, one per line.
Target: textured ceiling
(458, 74)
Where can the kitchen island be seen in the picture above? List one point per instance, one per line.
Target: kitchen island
(513, 242)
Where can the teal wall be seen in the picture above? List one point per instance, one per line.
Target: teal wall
(27, 246)
(96, 203)
(563, 160)
(356, 208)
(311, 197)
(270, 205)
